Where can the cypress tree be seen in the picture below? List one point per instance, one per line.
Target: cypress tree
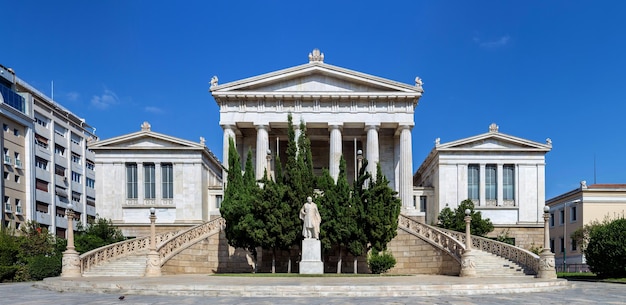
(382, 209)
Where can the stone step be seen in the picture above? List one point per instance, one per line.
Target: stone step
(134, 265)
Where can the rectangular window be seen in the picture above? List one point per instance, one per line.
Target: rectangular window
(5, 127)
(218, 201)
(60, 130)
(76, 139)
(59, 170)
(41, 121)
(76, 197)
(16, 132)
(552, 219)
(423, 203)
(7, 204)
(167, 177)
(91, 201)
(41, 141)
(562, 215)
(6, 175)
(572, 214)
(41, 163)
(18, 162)
(18, 206)
(76, 158)
(574, 245)
(59, 150)
(508, 182)
(16, 179)
(41, 185)
(562, 244)
(76, 177)
(473, 182)
(131, 180)
(91, 183)
(149, 183)
(491, 182)
(42, 207)
(90, 165)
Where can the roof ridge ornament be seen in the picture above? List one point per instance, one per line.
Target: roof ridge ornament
(145, 126)
(493, 127)
(214, 81)
(316, 56)
(419, 83)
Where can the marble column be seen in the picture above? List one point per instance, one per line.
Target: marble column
(335, 150)
(372, 153)
(499, 185)
(158, 183)
(482, 201)
(229, 132)
(140, 184)
(406, 166)
(262, 145)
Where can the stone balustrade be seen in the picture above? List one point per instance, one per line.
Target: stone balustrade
(434, 236)
(183, 239)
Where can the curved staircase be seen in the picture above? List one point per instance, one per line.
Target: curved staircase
(129, 258)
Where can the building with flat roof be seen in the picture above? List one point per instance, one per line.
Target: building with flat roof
(46, 161)
(579, 207)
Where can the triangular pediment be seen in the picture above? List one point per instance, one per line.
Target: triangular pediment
(315, 77)
(494, 141)
(145, 140)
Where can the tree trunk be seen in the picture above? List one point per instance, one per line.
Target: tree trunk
(339, 261)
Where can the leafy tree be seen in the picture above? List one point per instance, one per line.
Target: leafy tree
(236, 208)
(97, 234)
(456, 220)
(382, 209)
(606, 251)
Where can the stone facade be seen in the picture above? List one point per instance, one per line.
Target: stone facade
(415, 256)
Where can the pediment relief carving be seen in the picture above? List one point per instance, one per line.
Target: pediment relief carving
(317, 83)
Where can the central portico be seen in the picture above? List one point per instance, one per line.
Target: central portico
(344, 111)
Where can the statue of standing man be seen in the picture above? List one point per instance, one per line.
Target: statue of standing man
(311, 217)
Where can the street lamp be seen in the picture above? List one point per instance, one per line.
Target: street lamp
(71, 260)
(153, 263)
(468, 265)
(359, 159)
(546, 257)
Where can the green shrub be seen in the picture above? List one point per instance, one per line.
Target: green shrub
(7, 273)
(380, 262)
(40, 267)
(606, 251)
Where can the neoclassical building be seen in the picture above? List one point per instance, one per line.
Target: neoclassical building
(503, 175)
(145, 169)
(345, 112)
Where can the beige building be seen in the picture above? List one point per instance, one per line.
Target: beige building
(46, 161)
(142, 170)
(577, 208)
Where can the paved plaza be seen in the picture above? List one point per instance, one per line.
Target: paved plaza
(579, 293)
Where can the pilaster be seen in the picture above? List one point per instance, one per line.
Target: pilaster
(372, 153)
(406, 166)
(262, 145)
(335, 150)
(482, 199)
(500, 184)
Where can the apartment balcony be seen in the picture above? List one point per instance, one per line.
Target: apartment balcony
(42, 130)
(77, 187)
(61, 222)
(42, 174)
(18, 210)
(43, 218)
(77, 168)
(42, 152)
(7, 160)
(60, 139)
(43, 196)
(61, 160)
(76, 148)
(18, 163)
(91, 192)
(8, 208)
(91, 210)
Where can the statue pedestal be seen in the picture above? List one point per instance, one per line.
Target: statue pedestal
(311, 262)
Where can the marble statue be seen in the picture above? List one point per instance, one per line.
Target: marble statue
(311, 218)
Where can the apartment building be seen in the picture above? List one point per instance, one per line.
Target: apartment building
(55, 167)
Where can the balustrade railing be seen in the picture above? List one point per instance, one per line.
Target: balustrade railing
(434, 236)
(184, 239)
(120, 249)
(526, 259)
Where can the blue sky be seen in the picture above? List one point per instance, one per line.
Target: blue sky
(539, 69)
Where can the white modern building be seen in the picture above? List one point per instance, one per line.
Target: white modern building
(145, 169)
(46, 161)
(503, 175)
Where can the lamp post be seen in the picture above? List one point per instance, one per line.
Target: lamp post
(546, 257)
(359, 160)
(468, 265)
(71, 260)
(153, 263)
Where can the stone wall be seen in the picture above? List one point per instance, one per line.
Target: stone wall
(211, 255)
(525, 237)
(416, 256)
